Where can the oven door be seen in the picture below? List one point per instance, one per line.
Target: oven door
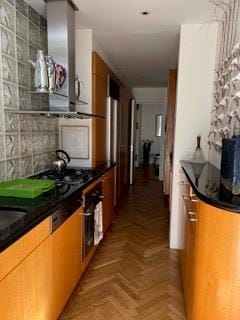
(89, 229)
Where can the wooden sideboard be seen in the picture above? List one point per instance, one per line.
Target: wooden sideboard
(210, 259)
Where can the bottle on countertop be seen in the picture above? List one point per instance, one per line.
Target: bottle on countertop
(236, 131)
(198, 156)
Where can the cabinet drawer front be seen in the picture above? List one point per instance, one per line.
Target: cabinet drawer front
(26, 292)
(13, 255)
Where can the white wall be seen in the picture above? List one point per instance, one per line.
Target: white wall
(197, 56)
(84, 48)
(153, 101)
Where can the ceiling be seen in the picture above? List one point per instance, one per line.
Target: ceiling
(141, 49)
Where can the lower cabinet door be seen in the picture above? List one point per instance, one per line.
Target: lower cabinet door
(26, 293)
(67, 260)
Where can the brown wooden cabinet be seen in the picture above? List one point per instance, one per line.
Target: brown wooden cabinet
(210, 261)
(26, 292)
(67, 260)
(108, 200)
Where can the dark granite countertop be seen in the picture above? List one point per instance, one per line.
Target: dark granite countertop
(36, 210)
(205, 181)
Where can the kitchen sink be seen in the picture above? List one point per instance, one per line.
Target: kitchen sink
(10, 219)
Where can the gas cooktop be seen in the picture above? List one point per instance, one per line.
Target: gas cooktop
(68, 176)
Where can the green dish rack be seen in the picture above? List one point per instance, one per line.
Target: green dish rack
(25, 188)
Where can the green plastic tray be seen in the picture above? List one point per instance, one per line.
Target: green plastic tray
(25, 188)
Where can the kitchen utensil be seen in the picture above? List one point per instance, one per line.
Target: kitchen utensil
(60, 76)
(25, 188)
(77, 87)
(41, 73)
(59, 163)
(51, 73)
(198, 156)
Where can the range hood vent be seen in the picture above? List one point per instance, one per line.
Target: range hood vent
(61, 46)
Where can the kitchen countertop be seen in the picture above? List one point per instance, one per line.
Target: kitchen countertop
(41, 207)
(205, 182)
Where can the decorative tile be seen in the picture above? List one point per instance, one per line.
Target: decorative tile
(25, 123)
(44, 41)
(26, 166)
(34, 16)
(11, 122)
(13, 169)
(37, 125)
(2, 149)
(2, 170)
(48, 160)
(25, 144)
(1, 121)
(8, 42)
(22, 51)
(22, 27)
(22, 6)
(9, 66)
(12, 2)
(32, 54)
(34, 35)
(23, 74)
(37, 142)
(7, 13)
(38, 163)
(24, 99)
(43, 24)
(12, 145)
(10, 96)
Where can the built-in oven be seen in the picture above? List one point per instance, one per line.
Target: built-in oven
(90, 200)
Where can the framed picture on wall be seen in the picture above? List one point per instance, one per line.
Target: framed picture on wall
(75, 140)
(158, 126)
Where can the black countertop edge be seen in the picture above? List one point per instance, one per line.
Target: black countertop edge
(220, 198)
(28, 227)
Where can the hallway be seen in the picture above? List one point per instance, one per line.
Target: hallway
(133, 276)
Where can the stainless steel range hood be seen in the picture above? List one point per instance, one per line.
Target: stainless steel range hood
(61, 45)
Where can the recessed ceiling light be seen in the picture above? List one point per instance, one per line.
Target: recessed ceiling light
(145, 13)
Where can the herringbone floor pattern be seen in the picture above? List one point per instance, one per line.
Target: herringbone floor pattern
(134, 276)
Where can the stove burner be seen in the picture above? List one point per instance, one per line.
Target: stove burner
(68, 176)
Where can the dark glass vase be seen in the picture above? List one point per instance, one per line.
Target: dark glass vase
(230, 165)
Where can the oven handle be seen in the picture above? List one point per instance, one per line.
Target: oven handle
(88, 214)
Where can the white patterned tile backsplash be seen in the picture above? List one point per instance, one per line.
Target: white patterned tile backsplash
(8, 42)
(26, 164)
(22, 26)
(13, 169)
(7, 13)
(10, 96)
(9, 66)
(26, 142)
(11, 122)
(2, 170)
(12, 145)
(38, 163)
(2, 149)
(22, 50)
(22, 6)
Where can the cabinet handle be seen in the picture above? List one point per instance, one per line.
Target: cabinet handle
(191, 198)
(193, 220)
(182, 183)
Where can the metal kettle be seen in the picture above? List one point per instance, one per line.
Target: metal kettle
(59, 163)
(41, 73)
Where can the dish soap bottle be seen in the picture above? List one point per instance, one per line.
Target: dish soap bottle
(198, 156)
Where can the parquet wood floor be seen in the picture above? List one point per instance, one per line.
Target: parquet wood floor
(134, 275)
